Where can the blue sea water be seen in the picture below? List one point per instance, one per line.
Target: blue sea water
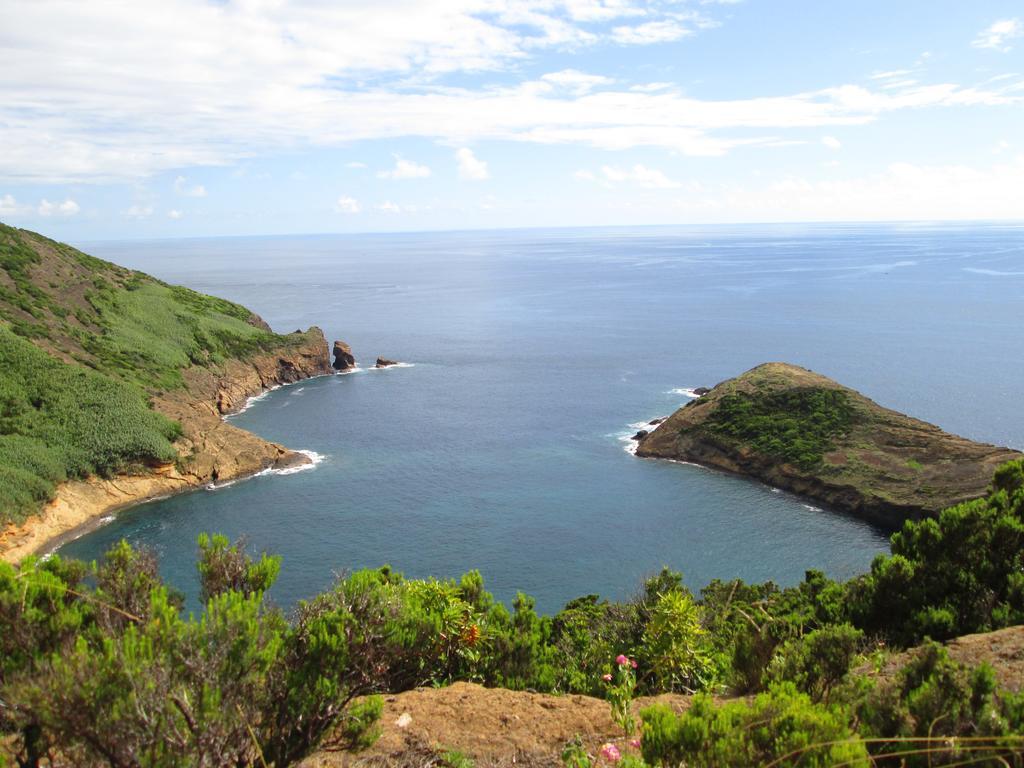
(533, 352)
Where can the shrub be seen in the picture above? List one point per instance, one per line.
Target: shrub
(782, 727)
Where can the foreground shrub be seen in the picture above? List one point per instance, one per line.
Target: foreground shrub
(781, 727)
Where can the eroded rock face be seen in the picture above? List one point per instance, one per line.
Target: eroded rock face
(701, 391)
(383, 362)
(217, 450)
(343, 357)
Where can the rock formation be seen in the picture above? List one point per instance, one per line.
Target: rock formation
(343, 358)
(877, 464)
(383, 362)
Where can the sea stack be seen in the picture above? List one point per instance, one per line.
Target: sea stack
(343, 358)
(383, 362)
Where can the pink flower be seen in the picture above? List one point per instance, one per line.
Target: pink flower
(606, 678)
(633, 662)
(635, 743)
(621, 660)
(611, 753)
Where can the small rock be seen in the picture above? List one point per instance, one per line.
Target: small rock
(404, 720)
(656, 422)
(343, 358)
(641, 434)
(383, 362)
(701, 391)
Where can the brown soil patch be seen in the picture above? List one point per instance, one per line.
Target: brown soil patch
(493, 725)
(1002, 649)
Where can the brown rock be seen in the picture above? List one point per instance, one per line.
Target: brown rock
(383, 362)
(701, 391)
(343, 358)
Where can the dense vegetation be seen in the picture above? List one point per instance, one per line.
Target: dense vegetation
(129, 335)
(100, 664)
(796, 426)
(62, 421)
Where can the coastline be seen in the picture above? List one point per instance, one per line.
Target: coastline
(212, 450)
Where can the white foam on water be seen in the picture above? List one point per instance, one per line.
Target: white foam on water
(315, 459)
(250, 401)
(684, 391)
(811, 507)
(219, 486)
(396, 365)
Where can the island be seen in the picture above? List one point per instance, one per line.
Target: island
(802, 432)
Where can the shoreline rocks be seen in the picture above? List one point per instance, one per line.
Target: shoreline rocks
(344, 360)
(383, 362)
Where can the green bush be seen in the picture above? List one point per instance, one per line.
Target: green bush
(60, 421)
(797, 426)
(782, 727)
(959, 573)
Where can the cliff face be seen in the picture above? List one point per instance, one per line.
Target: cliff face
(868, 461)
(214, 450)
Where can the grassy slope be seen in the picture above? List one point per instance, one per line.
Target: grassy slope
(84, 344)
(795, 428)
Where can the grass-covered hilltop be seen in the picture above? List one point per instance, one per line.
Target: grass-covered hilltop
(803, 432)
(107, 371)
(101, 666)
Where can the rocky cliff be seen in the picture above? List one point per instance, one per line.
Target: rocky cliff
(797, 430)
(211, 449)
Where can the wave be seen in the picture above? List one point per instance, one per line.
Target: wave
(315, 459)
(250, 401)
(684, 391)
(992, 272)
(396, 365)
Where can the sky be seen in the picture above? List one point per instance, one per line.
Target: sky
(181, 118)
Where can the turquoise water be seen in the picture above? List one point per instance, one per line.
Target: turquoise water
(532, 352)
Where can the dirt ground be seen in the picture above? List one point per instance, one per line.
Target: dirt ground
(493, 725)
(498, 727)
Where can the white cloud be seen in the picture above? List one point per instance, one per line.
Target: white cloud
(347, 204)
(998, 35)
(388, 207)
(68, 208)
(470, 168)
(575, 82)
(648, 178)
(902, 192)
(174, 214)
(831, 142)
(584, 176)
(355, 164)
(405, 169)
(139, 212)
(652, 32)
(10, 207)
(181, 187)
(205, 84)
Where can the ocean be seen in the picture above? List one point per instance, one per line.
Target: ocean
(533, 355)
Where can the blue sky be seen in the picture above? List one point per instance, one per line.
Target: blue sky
(206, 117)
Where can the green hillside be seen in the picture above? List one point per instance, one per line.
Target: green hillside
(84, 346)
